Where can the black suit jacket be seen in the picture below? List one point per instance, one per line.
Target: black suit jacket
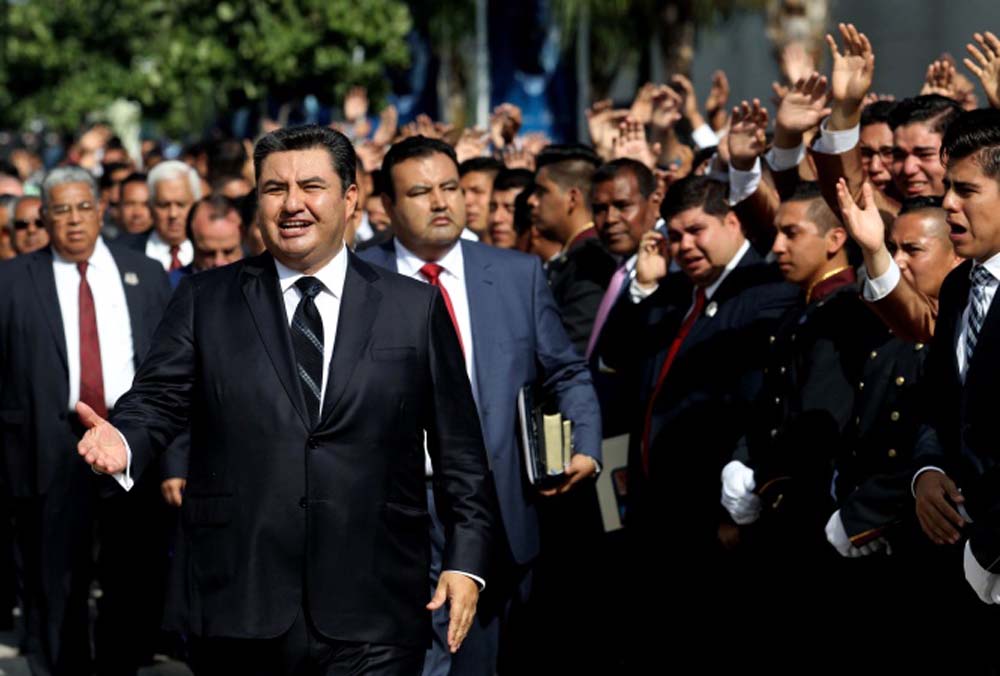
(704, 404)
(38, 442)
(277, 514)
(578, 279)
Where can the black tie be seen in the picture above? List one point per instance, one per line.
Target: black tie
(307, 341)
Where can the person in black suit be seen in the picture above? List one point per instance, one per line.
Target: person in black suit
(310, 380)
(76, 321)
(560, 209)
(696, 342)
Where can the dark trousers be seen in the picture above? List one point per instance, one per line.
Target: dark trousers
(301, 651)
(55, 534)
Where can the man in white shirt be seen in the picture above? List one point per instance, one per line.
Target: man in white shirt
(77, 318)
(173, 188)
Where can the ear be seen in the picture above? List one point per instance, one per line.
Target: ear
(836, 238)
(731, 220)
(350, 200)
(574, 200)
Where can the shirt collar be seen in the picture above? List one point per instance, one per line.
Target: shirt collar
(992, 264)
(332, 274)
(409, 264)
(100, 257)
(157, 241)
(730, 266)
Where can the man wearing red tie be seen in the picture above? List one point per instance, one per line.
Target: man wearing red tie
(173, 188)
(695, 342)
(75, 320)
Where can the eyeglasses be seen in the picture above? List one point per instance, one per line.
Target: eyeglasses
(23, 225)
(63, 210)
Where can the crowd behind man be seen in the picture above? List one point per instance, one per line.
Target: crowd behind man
(789, 313)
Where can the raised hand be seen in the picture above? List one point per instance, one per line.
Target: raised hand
(940, 80)
(986, 65)
(801, 109)
(690, 105)
(796, 61)
(602, 121)
(355, 104)
(852, 75)
(747, 134)
(388, 121)
(102, 446)
(715, 104)
(631, 143)
(518, 158)
(504, 124)
(653, 261)
(472, 143)
(642, 106)
(667, 109)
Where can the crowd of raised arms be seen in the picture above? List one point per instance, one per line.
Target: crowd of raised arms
(785, 303)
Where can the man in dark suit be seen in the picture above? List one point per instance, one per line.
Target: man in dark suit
(173, 188)
(696, 342)
(560, 209)
(309, 380)
(511, 334)
(76, 320)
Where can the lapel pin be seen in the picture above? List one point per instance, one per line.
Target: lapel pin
(712, 308)
(131, 279)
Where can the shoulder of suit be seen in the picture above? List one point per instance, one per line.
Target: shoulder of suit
(133, 258)
(957, 278)
(504, 257)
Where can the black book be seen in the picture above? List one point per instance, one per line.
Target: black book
(546, 439)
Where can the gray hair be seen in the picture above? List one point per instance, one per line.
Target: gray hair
(70, 174)
(172, 170)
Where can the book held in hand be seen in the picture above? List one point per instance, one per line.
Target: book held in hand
(546, 439)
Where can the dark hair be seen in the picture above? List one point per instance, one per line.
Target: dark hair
(307, 137)
(134, 177)
(877, 113)
(226, 157)
(920, 203)
(219, 206)
(643, 176)
(703, 155)
(378, 183)
(248, 208)
(106, 181)
(975, 133)
(513, 178)
(408, 149)
(522, 210)
(569, 165)
(804, 191)
(556, 153)
(484, 164)
(937, 111)
(8, 169)
(692, 192)
(220, 181)
(819, 212)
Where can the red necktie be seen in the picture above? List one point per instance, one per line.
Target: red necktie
(175, 262)
(675, 346)
(432, 271)
(91, 375)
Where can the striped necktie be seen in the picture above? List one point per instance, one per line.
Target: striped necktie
(307, 341)
(981, 278)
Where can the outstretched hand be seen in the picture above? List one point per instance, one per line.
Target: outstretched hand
(102, 446)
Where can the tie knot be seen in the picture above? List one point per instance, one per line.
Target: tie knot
(981, 276)
(81, 266)
(309, 286)
(431, 271)
(175, 249)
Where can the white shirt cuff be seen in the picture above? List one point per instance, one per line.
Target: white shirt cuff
(782, 159)
(877, 288)
(928, 468)
(480, 582)
(704, 137)
(836, 142)
(837, 536)
(124, 479)
(637, 294)
(983, 582)
(742, 184)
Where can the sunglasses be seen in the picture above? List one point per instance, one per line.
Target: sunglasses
(23, 225)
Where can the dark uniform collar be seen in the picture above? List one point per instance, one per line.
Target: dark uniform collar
(830, 282)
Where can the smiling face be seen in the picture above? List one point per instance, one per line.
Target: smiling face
(303, 208)
(428, 214)
(972, 202)
(916, 160)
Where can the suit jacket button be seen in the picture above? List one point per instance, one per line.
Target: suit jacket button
(892, 452)
(312, 443)
(303, 503)
(894, 416)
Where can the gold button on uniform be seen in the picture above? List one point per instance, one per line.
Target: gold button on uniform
(918, 346)
(861, 386)
(894, 416)
(874, 354)
(892, 452)
(771, 339)
(900, 380)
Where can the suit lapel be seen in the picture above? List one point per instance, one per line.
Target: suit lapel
(48, 300)
(133, 300)
(358, 310)
(483, 311)
(730, 287)
(952, 327)
(259, 280)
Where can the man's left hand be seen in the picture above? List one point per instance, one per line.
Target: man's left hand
(462, 594)
(580, 467)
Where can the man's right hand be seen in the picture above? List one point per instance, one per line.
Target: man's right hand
(173, 491)
(853, 71)
(935, 493)
(865, 226)
(747, 134)
(102, 446)
(652, 263)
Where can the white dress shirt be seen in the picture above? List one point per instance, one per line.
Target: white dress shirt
(159, 250)
(332, 275)
(114, 329)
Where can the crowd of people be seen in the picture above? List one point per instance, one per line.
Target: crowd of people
(788, 312)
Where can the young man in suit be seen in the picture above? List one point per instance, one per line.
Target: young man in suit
(696, 342)
(310, 380)
(511, 336)
(76, 321)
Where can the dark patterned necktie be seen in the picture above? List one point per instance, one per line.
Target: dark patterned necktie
(981, 279)
(307, 341)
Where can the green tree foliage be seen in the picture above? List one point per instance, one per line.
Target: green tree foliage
(183, 60)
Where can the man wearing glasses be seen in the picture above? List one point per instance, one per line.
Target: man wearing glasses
(29, 231)
(75, 319)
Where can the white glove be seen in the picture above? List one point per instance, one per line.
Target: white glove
(984, 583)
(737, 493)
(836, 535)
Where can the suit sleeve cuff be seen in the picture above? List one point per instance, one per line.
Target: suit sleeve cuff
(742, 184)
(877, 288)
(783, 159)
(124, 479)
(704, 137)
(928, 468)
(480, 582)
(836, 142)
